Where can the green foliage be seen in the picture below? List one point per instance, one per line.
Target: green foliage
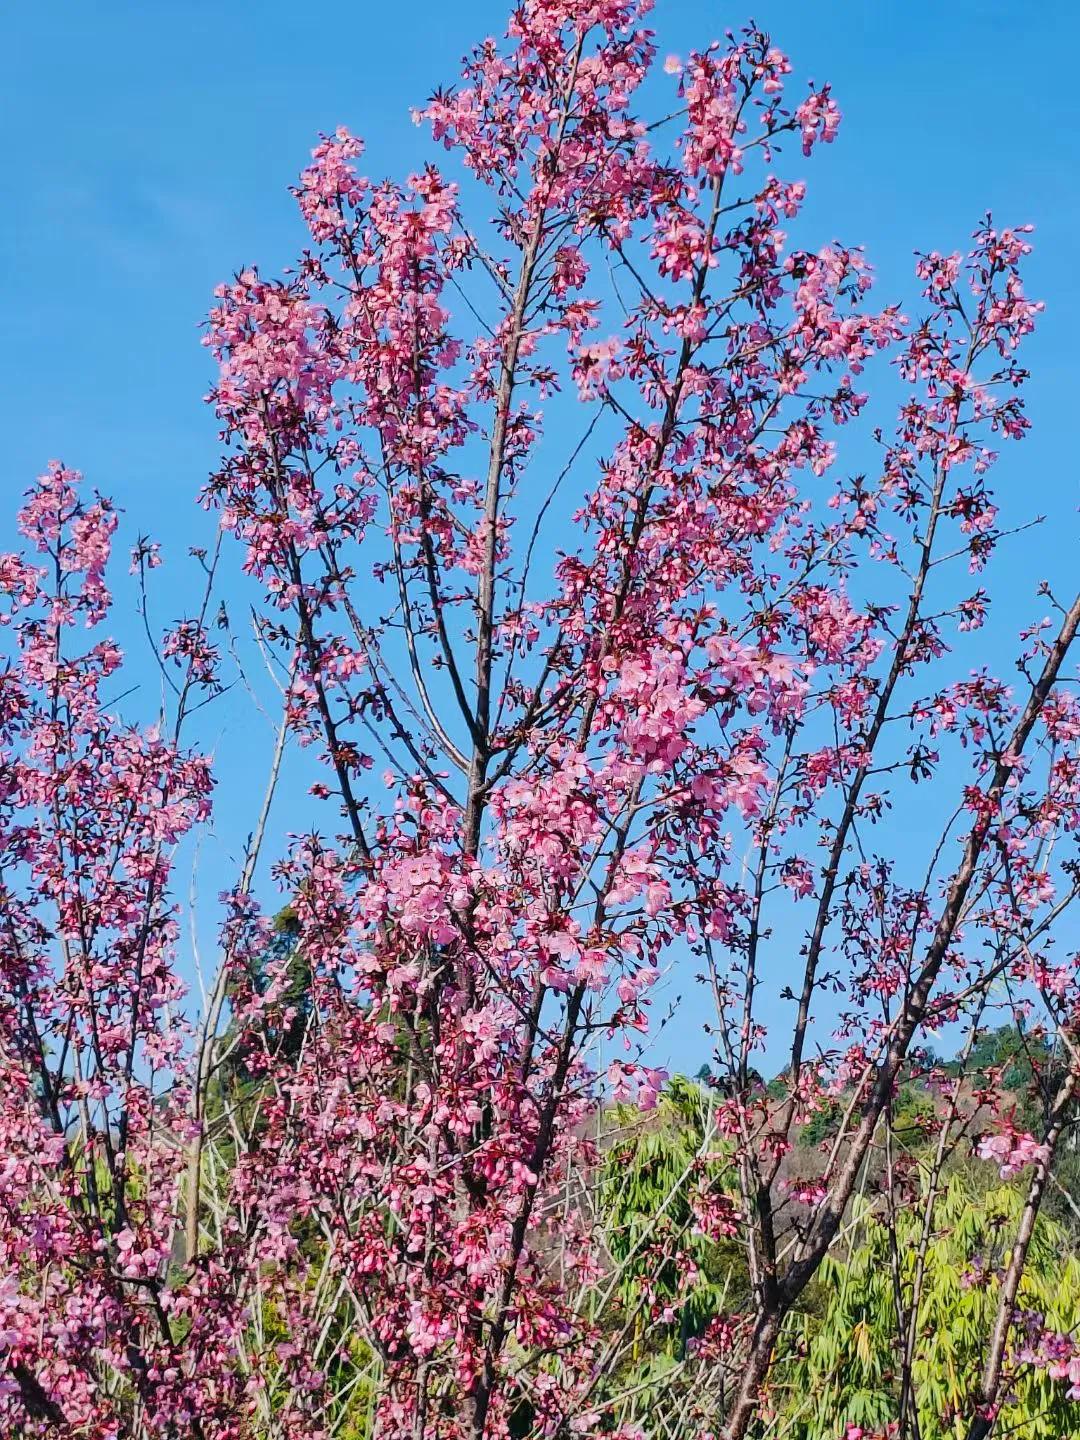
(1010, 1049)
(821, 1126)
(840, 1361)
(1061, 1202)
(914, 1118)
(645, 1194)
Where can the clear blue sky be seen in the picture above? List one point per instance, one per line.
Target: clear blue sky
(149, 148)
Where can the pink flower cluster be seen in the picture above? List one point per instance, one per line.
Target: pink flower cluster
(1012, 1152)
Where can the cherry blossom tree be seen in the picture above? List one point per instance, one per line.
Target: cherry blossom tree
(604, 658)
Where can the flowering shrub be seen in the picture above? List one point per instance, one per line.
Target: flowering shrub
(353, 1189)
